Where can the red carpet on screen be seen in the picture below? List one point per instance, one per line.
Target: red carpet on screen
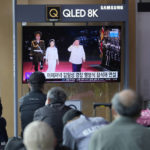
(62, 67)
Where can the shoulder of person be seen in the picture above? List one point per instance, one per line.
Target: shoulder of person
(147, 131)
(42, 41)
(69, 126)
(142, 128)
(99, 120)
(47, 48)
(44, 96)
(41, 110)
(81, 46)
(40, 114)
(2, 121)
(100, 132)
(72, 126)
(33, 41)
(21, 100)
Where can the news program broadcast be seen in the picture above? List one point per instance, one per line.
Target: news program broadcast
(72, 53)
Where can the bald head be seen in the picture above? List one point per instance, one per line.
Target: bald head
(127, 97)
(127, 103)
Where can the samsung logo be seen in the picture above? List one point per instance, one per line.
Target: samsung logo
(112, 7)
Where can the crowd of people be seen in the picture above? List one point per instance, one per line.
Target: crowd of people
(48, 124)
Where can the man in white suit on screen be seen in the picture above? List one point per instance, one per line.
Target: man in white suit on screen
(77, 56)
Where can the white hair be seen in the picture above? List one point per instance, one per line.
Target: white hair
(57, 95)
(39, 136)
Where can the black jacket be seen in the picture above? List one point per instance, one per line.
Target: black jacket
(53, 114)
(29, 104)
(3, 132)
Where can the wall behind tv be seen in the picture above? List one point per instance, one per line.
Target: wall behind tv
(87, 92)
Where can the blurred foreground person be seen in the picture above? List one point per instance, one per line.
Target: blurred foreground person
(39, 136)
(54, 110)
(15, 143)
(33, 100)
(3, 132)
(79, 128)
(123, 133)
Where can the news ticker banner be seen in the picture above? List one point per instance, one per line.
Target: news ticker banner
(82, 75)
(71, 13)
(78, 75)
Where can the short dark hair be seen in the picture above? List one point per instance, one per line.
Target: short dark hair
(133, 110)
(77, 38)
(38, 32)
(37, 80)
(52, 40)
(70, 115)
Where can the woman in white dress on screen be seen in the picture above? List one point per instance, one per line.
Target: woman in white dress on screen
(52, 56)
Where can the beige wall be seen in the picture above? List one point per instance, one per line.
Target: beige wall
(89, 93)
(6, 63)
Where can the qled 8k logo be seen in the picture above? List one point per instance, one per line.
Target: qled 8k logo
(80, 13)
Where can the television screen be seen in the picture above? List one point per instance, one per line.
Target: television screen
(72, 53)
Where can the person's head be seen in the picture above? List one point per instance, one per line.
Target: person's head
(126, 103)
(77, 42)
(52, 43)
(39, 136)
(15, 143)
(56, 95)
(36, 81)
(38, 35)
(71, 115)
(1, 108)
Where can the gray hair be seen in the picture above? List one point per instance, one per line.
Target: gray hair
(39, 136)
(57, 95)
(131, 110)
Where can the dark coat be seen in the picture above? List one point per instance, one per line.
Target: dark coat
(29, 104)
(3, 132)
(53, 114)
(37, 46)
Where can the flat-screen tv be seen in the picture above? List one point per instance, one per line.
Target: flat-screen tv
(72, 53)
